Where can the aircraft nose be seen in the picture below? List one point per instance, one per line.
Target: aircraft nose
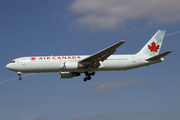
(8, 66)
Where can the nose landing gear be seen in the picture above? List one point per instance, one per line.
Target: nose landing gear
(88, 76)
(19, 73)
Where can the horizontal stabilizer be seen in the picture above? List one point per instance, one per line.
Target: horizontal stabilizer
(159, 56)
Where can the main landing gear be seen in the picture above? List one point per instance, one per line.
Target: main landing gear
(19, 73)
(88, 75)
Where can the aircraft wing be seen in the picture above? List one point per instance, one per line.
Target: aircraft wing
(94, 59)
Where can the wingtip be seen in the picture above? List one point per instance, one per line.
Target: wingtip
(170, 51)
(123, 41)
(162, 30)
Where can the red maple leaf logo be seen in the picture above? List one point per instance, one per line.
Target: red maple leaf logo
(33, 58)
(153, 47)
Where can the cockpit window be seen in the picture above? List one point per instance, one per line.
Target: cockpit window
(12, 61)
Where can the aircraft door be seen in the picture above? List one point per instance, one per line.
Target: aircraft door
(133, 59)
(23, 62)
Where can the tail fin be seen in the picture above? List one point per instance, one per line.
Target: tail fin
(153, 46)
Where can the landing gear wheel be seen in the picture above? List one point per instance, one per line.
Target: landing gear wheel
(89, 77)
(93, 73)
(85, 79)
(19, 73)
(20, 78)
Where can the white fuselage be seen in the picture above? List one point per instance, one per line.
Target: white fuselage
(40, 64)
(104, 60)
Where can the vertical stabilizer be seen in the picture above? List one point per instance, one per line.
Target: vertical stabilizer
(153, 46)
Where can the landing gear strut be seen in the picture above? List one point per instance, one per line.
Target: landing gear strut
(19, 73)
(88, 75)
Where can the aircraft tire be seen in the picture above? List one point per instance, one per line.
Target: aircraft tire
(89, 78)
(20, 78)
(85, 79)
(93, 73)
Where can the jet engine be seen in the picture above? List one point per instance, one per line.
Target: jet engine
(69, 74)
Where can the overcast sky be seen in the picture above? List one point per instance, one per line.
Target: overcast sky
(84, 27)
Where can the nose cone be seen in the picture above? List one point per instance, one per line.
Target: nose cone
(9, 66)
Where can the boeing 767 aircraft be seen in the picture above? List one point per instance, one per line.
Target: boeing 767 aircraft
(71, 66)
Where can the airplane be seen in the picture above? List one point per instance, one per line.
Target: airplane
(73, 65)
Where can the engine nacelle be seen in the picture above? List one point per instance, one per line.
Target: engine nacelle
(69, 74)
